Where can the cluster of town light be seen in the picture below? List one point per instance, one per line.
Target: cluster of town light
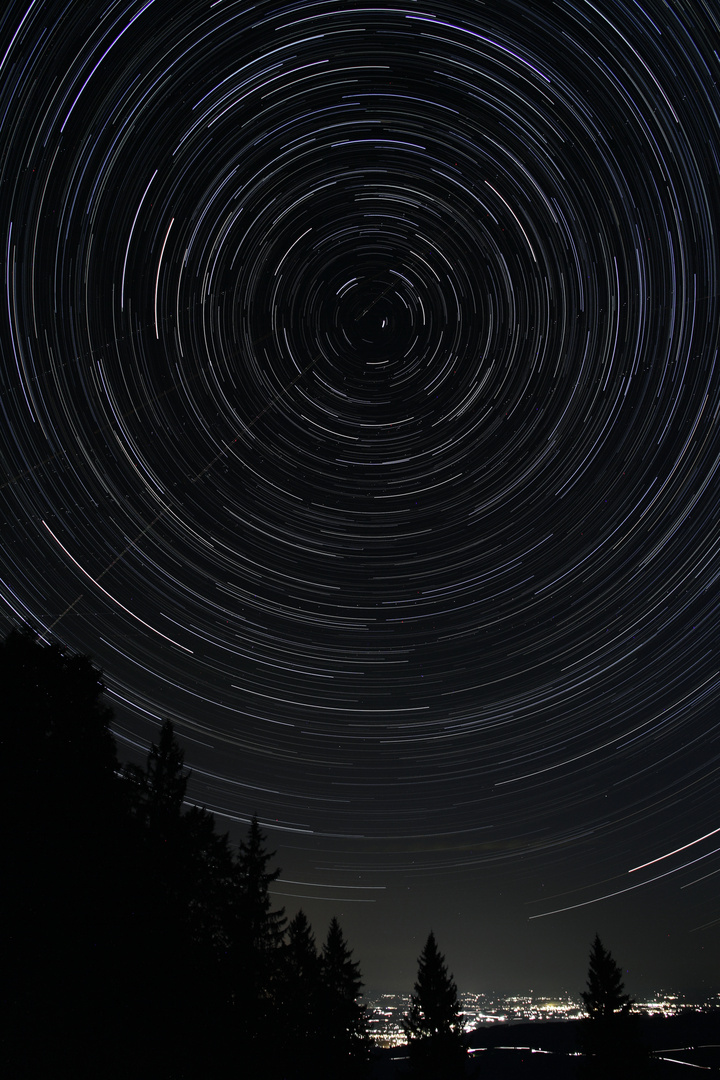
(386, 1012)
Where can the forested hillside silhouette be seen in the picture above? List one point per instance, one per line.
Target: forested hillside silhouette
(136, 942)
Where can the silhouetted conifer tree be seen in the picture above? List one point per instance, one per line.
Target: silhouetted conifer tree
(166, 779)
(301, 999)
(343, 1027)
(604, 997)
(264, 925)
(210, 869)
(434, 1025)
(187, 874)
(157, 793)
(256, 936)
(610, 1038)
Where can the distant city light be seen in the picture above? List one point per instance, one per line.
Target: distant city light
(386, 1012)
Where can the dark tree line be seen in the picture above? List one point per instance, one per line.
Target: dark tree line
(135, 941)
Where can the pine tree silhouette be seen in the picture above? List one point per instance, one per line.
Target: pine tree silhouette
(167, 779)
(301, 999)
(262, 925)
(344, 1041)
(434, 1025)
(256, 935)
(609, 1034)
(604, 996)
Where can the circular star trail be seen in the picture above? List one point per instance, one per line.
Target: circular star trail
(360, 408)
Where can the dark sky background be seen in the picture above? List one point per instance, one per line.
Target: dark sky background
(360, 414)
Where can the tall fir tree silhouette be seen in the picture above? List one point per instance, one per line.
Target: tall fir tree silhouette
(610, 1037)
(604, 997)
(343, 1029)
(256, 937)
(433, 1025)
(188, 882)
(166, 783)
(263, 926)
(156, 798)
(301, 999)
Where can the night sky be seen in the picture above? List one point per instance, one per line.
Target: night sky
(360, 414)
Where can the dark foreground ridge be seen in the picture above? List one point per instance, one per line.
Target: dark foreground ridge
(137, 942)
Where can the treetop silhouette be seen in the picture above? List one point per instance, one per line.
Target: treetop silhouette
(434, 1025)
(604, 996)
(610, 1039)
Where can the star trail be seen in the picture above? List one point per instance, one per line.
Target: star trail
(360, 412)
